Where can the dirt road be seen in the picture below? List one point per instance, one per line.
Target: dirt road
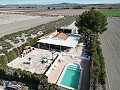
(110, 41)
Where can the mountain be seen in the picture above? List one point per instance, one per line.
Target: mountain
(64, 4)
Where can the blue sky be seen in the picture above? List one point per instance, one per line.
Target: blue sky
(3, 2)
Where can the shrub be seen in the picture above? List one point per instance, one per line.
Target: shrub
(3, 59)
(97, 69)
(34, 81)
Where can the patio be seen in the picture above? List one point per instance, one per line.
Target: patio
(36, 64)
(66, 58)
(72, 56)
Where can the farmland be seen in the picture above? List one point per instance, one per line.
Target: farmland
(15, 20)
(9, 25)
(18, 21)
(45, 11)
(110, 43)
(111, 12)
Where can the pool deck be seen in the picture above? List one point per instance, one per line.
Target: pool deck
(55, 74)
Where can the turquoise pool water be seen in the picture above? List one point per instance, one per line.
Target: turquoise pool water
(71, 77)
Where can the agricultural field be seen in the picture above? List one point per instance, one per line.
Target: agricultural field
(110, 43)
(46, 11)
(63, 12)
(14, 22)
(110, 12)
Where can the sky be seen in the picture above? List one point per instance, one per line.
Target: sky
(4, 2)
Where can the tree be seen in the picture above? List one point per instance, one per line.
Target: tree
(54, 8)
(91, 23)
(48, 7)
(110, 7)
(92, 20)
(93, 8)
(77, 7)
(10, 56)
(16, 51)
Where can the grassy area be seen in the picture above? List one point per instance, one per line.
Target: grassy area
(111, 12)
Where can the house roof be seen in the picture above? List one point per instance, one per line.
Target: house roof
(27, 47)
(68, 41)
(62, 36)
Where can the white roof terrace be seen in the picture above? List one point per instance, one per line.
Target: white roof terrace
(71, 41)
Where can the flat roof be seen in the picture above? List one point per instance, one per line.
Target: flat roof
(69, 41)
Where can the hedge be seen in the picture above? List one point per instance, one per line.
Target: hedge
(97, 69)
(3, 59)
(32, 80)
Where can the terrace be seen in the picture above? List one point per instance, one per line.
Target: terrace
(74, 55)
(35, 64)
(64, 60)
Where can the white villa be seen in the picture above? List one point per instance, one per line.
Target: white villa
(59, 61)
(60, 39)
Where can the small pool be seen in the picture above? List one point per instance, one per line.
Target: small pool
(71, 76)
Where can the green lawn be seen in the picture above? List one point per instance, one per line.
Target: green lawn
(111, 12)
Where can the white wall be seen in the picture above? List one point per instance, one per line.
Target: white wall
(53, 65)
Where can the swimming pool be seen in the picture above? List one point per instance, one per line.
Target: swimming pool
(71, 76)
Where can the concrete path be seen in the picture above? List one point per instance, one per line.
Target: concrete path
(85, 76)
(110, 41)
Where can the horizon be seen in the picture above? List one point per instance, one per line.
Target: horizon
(41, 2)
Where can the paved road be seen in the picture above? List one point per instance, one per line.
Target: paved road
(110, 43)
(22, 25)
